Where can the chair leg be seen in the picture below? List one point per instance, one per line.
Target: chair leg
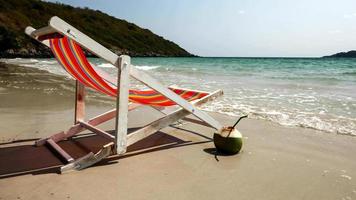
(122, 102)
(79, 102)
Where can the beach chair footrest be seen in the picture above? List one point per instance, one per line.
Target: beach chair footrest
(89, 159)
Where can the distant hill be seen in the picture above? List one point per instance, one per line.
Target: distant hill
(119, 35)
(350, 54)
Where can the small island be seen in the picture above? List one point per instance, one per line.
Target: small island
(349, 54)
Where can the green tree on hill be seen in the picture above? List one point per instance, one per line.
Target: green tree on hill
(119, 35)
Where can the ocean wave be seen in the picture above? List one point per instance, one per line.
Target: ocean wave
(141, 67)
(312, 120)
(305, 78)
(30, 78)
(49, 65)
(349, 73)
(27, 78)
(147, 67)
(19, 60)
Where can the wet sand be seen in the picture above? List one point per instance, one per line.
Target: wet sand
(176, 163)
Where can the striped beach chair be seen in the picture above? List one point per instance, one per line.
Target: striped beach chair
(67, 44)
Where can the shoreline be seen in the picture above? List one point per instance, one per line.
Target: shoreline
(48, 86)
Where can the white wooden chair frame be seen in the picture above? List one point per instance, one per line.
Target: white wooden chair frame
(120, 139)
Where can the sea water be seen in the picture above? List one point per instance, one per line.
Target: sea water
(318, 93)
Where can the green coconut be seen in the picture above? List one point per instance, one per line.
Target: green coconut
(228, 141)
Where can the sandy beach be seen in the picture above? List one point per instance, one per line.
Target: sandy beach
(176, 163)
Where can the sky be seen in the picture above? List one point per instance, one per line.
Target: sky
(243, 28)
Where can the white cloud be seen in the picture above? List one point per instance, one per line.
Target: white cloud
(335, 31)
(241, 12)
(350, 15)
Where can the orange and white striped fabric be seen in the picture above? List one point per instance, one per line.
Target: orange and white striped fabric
(71, 57)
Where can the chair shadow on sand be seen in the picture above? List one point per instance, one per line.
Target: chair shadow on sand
(29, 159)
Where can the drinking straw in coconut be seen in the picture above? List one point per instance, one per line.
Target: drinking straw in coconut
(236, 124)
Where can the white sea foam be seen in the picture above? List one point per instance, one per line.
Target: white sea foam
(49, 62)
(346, 176)
(285, 117)
(147, 67)
(106, 65)
(142, 67)
(49, 65)
(33, 60)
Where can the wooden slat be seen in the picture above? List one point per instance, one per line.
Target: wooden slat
(188, 89)
(104, 117)
(54, 137)
(66, 29)
(155, 126)
(59, 149)
(39, 32)
(122, 101)
(85, 41)
(97, 131)
(166, 120)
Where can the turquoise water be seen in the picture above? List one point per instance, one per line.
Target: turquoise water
(307, 92)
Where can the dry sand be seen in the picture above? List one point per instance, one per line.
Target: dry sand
(177, 163)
